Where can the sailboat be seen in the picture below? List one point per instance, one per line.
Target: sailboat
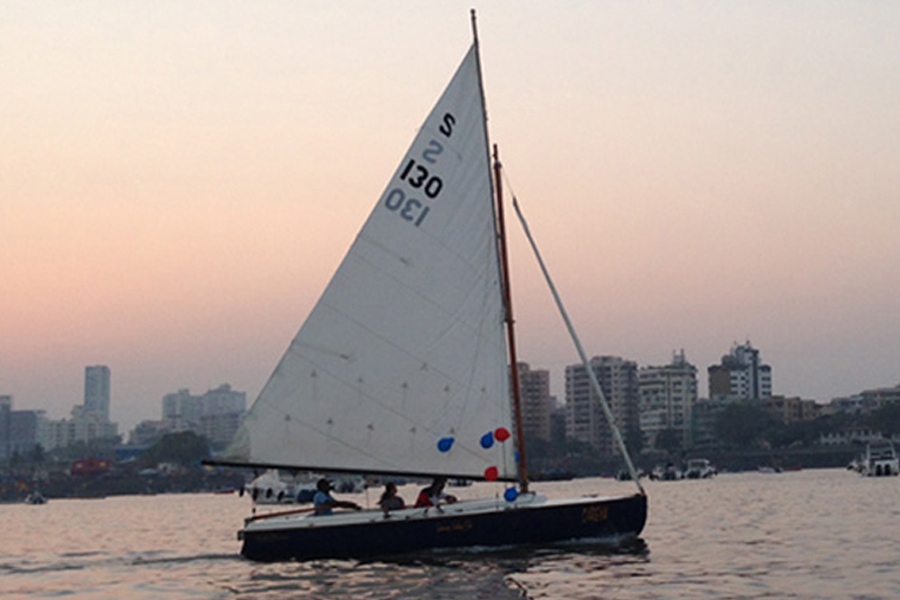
(404, 368)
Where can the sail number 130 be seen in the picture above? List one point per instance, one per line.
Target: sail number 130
(419, 179)
(410, 208)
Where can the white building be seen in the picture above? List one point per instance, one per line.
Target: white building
(534, 386)
(585, 420)
(90, 420)
(97, 390)
(84, 426)
(214, 415)
(740, 376)
(20, 430)
(667, 397)
(181, 411)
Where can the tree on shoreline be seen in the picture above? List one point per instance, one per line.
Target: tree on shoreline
(744, 425)
(184, 448)
(886, 419)
(669, 440)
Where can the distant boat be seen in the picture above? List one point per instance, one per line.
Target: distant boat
(669, 472)
(699, 468)
(35, 498)
(287, 489)
(404, 367)
(880, 460)
(625, 475)
(268, 488)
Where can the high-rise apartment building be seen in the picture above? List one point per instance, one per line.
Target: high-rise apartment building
(97, 390)
(585, 420)
(534, 385)
(215, 415)
(90, 421)
(5, 423)
(21, 431)
(740, 376)
(181, 411)
(668, 395)
(84, 426)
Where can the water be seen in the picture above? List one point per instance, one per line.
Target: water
(811, 534)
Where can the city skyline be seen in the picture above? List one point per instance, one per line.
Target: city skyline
(703, 377)
(179, 183)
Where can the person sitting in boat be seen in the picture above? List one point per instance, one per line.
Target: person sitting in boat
(324, 502)
(434, 494)
(389, 499)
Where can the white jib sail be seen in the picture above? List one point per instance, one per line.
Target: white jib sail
(402, 366)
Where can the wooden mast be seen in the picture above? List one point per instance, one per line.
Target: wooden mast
(510, 327)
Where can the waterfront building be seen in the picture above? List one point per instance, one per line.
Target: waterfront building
(97, 390)
(215, 415)
(792, 410)
(865, 402)
(90, 420)
(146, 433)
(740, 376)
(585, 420)
(20, 430)
(223, 401)
(667, 397)
(534, 385)
(851, 405)
(857, 435)
(181, 411)
(876, 398)
(5, 410)
(83, 426)
(704, 414)
(557, 422)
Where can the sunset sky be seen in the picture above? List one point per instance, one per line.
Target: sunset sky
(179, 180)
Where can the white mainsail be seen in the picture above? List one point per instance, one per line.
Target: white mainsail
(401, 367)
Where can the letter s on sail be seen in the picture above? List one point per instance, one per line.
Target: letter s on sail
(447, 126)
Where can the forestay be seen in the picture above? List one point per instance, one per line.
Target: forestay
(401, 367)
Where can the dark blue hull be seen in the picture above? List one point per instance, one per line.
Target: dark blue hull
(613, 520)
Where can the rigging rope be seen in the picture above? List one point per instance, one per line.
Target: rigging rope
(617, 435)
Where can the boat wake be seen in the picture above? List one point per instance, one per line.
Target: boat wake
(75, 561)
(140, 560)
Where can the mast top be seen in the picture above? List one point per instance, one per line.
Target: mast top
(474, 26)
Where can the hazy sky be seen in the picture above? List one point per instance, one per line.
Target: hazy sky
(179, 180)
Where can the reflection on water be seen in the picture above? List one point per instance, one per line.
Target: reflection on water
(447, 575)
(814, 534)
(347, 580)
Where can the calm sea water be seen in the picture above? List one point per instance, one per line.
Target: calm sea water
(809, 534)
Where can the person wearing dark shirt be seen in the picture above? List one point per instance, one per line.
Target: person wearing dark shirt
(389, 499)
